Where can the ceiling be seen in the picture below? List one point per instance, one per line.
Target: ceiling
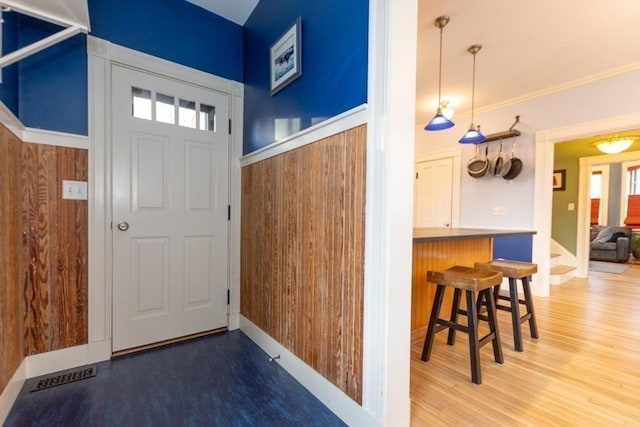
(237, 11)
(530, 47)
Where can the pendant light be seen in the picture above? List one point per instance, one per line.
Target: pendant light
(473, 135)
(439, 121)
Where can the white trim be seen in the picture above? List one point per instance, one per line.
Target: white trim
(332, 126)
(555, 89)
(66, 20)
(543, 193)
(101, 56)
(10, 120)
(566, 257)
(330, 395)
(40, 136)
(60, 139)
(49, 362)
(389, 210)
(603, 210)
(456, 155)
(67, 358)
(11, 391)
(36, 47)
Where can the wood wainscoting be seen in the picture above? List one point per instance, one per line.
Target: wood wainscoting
(439, 255)
(43, 251)
(302, 253)
(11, 330)
(55, 249)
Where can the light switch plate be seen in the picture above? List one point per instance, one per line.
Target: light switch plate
(74, 190)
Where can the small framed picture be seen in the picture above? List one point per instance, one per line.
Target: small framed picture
(559, 179)
(285, 58)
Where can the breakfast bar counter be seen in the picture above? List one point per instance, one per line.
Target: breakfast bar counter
(438, 248)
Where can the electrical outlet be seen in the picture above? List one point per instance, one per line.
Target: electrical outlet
(499, 210)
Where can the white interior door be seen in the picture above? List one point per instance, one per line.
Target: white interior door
(433, 193)
(170, 169)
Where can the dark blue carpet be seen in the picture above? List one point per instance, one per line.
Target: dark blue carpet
(220, 380)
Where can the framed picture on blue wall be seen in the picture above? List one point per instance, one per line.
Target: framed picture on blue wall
(285, 58)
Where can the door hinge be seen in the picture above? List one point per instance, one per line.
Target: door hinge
(228, 212)
(228, 296)
(229, 126)
(416, 175)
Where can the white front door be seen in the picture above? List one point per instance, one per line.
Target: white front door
(170, 151)
(433, 193)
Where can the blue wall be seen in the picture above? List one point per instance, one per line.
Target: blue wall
(49, 89)
(53, 83)
(9, 86)
(334, 64)
(516, 248)
(171, 29)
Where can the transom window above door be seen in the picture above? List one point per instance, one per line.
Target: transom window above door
(163, 108)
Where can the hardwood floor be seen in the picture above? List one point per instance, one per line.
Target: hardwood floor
(583, 371)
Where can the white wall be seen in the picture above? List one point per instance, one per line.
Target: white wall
(616, 95)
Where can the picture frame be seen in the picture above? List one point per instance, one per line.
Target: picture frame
(285, 58)
(559, 179)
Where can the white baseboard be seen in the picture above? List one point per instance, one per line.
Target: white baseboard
(234, 321)
(49, 362)
(59, 360)
(331, 396)
(11, 391)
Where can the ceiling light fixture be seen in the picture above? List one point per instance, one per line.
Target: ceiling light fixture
(439, 121)
(473, 135)
(614, 145)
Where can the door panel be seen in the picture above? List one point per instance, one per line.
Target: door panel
(170, 155)
(433, 193)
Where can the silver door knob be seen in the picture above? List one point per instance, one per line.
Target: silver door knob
(123, 226)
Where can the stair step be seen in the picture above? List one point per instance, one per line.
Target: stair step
(562, 269)
(555, 255)
(561, 273)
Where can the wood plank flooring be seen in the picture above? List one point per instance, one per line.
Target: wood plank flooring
(584, 369)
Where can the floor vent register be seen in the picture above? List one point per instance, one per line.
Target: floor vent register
(69, 377)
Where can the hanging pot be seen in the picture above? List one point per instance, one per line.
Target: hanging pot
(477, 166)
(498, 163)
(515, 164)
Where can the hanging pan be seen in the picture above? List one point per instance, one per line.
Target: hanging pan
(515, 164)
(477, 166)
(498, 163)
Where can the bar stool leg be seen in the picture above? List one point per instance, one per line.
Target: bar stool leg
(492, 316)
(474, 348)
(455, 308)
(433, 319)
(528, 300)
(515, 314)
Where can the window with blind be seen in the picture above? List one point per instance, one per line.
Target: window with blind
(633, 194)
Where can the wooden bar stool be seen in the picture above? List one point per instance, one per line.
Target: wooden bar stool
(471, 281)
(515, 270)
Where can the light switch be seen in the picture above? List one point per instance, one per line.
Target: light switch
(571, 206)
(74, 190)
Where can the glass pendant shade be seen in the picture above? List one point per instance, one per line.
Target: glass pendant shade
(439, 122)
(473, 136)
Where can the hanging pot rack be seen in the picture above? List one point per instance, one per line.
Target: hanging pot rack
(506, 134)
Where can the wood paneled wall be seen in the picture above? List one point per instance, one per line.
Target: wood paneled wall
(440, 256)
(11, 331)
(43, 251)
(55, 249)
(302, 253)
